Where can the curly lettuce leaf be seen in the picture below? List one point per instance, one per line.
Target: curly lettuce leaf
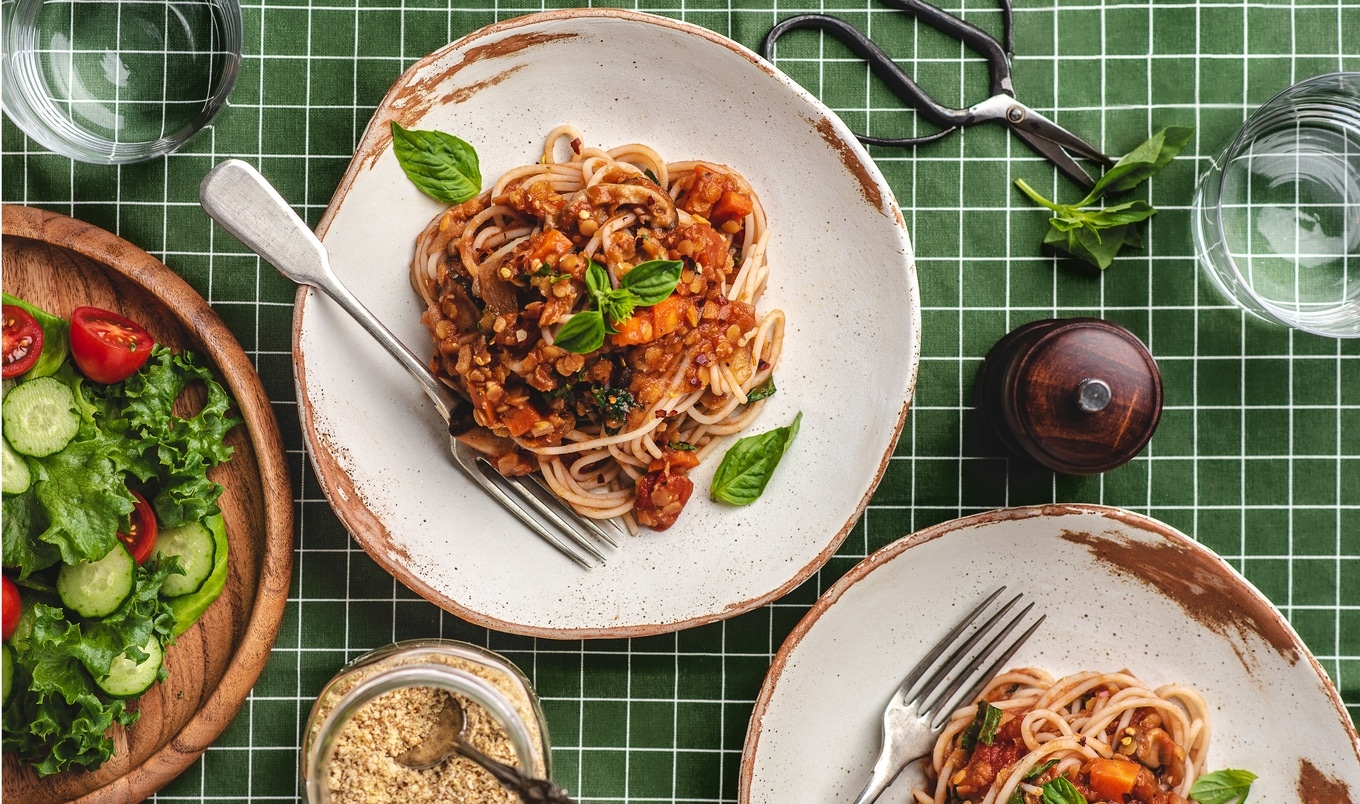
(57, 717)
(178, 451)
(21, 517)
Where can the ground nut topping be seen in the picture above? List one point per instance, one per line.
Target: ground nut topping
(363, 767)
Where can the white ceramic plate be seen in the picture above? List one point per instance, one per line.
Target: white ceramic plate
(842, 270)
(1120, 591)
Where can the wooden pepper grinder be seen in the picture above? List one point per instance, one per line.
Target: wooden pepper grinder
(1080, 396)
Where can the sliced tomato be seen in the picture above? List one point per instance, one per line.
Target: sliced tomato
(23, 340)
(142, 530)
(11, 606)
(106, 346)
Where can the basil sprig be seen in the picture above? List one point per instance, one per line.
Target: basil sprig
(441, 165)
(746, 468)
(1095, 235)
(1062, 791)
(1226, 786)
(649, 283)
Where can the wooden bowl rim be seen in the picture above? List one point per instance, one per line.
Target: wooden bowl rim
(274, 578)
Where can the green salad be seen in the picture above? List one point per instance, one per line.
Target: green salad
(113, 539)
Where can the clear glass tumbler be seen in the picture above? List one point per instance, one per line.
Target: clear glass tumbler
(1277, 216)
(115, 81)
(384, 702)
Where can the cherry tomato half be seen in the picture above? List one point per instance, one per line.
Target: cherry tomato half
(106, 346)
(11, 606)
(142, 530)
(23, 340)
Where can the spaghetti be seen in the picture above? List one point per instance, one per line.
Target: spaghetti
(614, 430)
(1108, 734)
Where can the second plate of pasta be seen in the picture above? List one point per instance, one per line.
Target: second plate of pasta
(648, 141)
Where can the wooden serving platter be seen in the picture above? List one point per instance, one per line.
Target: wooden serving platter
(59, 263)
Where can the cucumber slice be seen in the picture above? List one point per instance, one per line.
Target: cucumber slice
(189, 608)
(193, 545)
(6, 671)
(97, 588)
(127, 678)
(14, 475)
(40, 416)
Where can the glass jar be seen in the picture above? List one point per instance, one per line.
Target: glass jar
(504, 720)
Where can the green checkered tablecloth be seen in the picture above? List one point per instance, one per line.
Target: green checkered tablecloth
(1257, 455)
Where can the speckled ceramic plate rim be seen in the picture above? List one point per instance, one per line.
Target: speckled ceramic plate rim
(1240, 588)
(337, 487)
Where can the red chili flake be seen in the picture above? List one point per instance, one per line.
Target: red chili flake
(702, 359)
(694, 382)
(762, 365)
(576, 144)
(720, 299)
(660, 413)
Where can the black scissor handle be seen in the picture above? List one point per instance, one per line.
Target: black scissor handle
(882, 66)
(997, 59)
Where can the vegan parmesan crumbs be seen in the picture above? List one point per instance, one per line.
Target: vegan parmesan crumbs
(363, 768)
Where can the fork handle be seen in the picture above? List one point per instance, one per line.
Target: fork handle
(891, 762)
(245, 204)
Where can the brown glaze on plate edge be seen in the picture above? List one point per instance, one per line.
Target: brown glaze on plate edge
(1316, 787)
(1195, 580)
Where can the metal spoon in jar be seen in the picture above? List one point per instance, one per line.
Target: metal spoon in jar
(445, 739)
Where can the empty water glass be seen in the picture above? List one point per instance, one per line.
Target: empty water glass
(1277, 216)
(113, 81)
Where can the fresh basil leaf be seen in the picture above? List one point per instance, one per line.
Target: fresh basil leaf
(1119, 214)
(616, 306)
(652, 281)
(1096, 248)
(1138, 165)
(1226, 786)
(441, 165)
(597, 281)
(582, 333)
(1062, 791)
(747, 467)
(762, 391)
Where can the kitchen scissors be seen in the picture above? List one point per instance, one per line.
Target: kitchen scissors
(1049, 139)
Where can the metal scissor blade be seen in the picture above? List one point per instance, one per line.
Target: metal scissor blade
(1055, 154)
(1034, 123)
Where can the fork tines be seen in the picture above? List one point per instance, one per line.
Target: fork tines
(546, 514)
(941, 687)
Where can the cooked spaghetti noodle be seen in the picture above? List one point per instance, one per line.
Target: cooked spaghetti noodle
(1111, 736)
(613, 430)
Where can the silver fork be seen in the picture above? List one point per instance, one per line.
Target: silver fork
(918, 710)
(236, 196)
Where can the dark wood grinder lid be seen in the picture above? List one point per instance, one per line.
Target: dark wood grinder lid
(1080, 396)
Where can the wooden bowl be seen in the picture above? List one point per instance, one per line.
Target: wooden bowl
(59, 263)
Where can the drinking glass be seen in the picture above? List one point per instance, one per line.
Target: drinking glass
(115, 81)
(1277, 216)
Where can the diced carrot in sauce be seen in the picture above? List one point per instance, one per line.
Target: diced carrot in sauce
(732, 206)
(551, 245)
(635, 329)
(677, 461)
(1113, 778)
(520, 420)
(667, 314)
(705, 189)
